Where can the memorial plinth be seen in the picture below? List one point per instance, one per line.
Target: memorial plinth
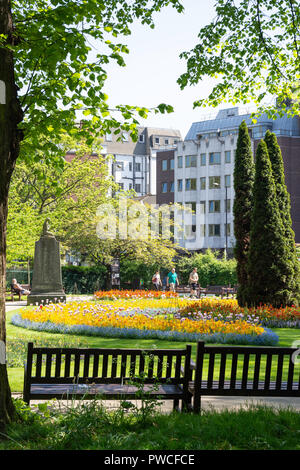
(46, 279)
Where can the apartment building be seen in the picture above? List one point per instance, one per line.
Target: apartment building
(203, 175)
(134, 163)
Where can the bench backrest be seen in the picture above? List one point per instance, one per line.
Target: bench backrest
(87, 365)
(246, 371)
(215, 289)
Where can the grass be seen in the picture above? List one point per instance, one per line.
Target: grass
(17, 339)
(88, 426)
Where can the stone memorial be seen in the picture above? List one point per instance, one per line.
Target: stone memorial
(46, 279)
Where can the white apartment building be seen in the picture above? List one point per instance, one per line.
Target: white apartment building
(133, 164)
(204, 168)
(204, 182)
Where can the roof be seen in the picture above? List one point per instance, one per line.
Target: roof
(280, 126)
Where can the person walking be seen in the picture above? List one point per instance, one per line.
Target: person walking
(156, 281)
(193, 281)
(172, 280)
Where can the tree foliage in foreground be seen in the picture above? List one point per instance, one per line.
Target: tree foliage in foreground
(252, 50)
(48, 74)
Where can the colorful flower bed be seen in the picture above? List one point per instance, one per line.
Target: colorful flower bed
(133, 294)
(115, 319)
(287, 317)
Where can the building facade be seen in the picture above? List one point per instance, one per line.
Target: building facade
(165, 161)
(203, 175)
(133, 165)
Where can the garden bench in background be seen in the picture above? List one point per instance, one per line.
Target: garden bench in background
(244, 371)
(18, 294)
(107, 374)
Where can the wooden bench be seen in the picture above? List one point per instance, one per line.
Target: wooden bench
(109, 374)
(244, 371)
(212, 290)
(18, 294)
(183, 289)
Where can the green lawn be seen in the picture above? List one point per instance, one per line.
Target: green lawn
(18, 337)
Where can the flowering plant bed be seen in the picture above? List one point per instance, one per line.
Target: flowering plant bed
(287, 317)
(133, 294)
(107, 319)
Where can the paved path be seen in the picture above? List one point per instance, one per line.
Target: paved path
(207, 403)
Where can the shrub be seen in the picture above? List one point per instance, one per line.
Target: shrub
(83, 279)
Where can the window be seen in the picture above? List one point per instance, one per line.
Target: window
(130, 166)
(166, 141)
(227, 181)
(164, 187)
(227, 156)
(130, 185)
(137, 188)
(157, 140)
(190, 231)
(172, 164)
(191, 161)
(137, 167)
(214, 182)
(179, 185)
(215, 158)
(190, 184)
(203, 159)
(227, 205)
(228, 229)
(121, 185)
(172, 187)
(141, 138)
(202, 207)
(202, 230)
(203, 183)
(179, 161)
(214, 230)
(214, 206)
(164, 165)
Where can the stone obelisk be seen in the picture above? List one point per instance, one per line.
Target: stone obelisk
(46, 279)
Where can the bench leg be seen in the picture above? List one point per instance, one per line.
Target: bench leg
(176, 404)
(197, 404)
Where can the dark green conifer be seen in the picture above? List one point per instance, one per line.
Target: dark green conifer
(283, 199)
(269, 264)
(242, 207)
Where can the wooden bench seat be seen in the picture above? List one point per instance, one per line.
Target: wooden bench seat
(244, 371)
(108, 374)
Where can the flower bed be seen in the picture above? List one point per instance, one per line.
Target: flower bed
(268, 316)
(107, 319)
(133, 294)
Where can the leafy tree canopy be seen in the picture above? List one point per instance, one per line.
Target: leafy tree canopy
(57, 74)
(252, 49)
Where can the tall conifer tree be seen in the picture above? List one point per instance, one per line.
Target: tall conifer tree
(283, 199)
(243, 187)
(269, 265)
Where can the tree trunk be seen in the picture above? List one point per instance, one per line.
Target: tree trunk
(10, 137)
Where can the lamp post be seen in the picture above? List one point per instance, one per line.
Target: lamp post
(226, 219)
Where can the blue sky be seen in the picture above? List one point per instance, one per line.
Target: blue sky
(153, 66)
